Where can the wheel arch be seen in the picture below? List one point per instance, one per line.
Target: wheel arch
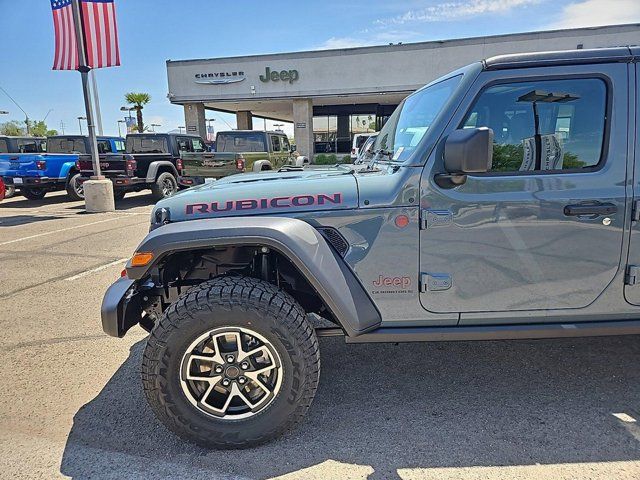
(297, 241)
(156, 168)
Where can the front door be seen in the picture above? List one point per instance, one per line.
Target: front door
(544, 228)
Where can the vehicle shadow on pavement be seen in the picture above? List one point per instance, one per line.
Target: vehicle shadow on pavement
(393, 407)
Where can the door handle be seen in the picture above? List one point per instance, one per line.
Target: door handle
(586, 210)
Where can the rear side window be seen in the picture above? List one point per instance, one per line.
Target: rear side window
(197, 145)
(145, 144)
(66, 145)
(29, 146)
(4, 147)
(275, 143)
(104, 146)
(240, 143)
(119, 146)
(545, 125)
(285, 144)
(184, 144)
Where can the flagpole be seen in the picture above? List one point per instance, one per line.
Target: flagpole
(84, 73)
(96, 101)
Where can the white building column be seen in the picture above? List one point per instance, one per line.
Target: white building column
(194, 119)
(303, 126)
(244, 120)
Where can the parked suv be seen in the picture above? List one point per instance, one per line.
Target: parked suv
(154, 162)
(16, 144)
(502, 202)
(238, 151)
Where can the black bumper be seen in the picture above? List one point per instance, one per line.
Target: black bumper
(120, 307)
(119, 181)
(190, 181)
(31, 182)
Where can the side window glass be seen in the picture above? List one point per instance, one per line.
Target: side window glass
(285, 145)
(275, 143)
(197, 145)
(119, 145)
(546, 125)
(3, 146)
(183, 144)
(104, 146)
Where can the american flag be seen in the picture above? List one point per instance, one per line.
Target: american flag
(99, 31)
(66, 52)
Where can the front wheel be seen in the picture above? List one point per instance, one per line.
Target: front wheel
(75, 190)
(9, 191)
(34, 193)
(165, 186)
(232, 363)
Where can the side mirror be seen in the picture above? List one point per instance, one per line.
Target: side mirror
(468, 150)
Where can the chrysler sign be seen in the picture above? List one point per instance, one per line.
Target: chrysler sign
(219, 78)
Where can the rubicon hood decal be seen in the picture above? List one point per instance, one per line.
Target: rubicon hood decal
(264, 203)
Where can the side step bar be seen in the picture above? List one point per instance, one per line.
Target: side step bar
(495, 332)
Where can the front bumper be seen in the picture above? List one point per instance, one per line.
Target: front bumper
(121, 308)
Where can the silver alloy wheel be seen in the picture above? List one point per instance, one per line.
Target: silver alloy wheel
(168, 187)
(231, 373)
(79, 188)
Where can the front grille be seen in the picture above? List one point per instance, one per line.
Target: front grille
(334, 238)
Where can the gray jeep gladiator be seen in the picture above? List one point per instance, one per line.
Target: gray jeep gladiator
(501, 202)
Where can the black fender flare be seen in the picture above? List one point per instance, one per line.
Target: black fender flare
(303, 245)
(152, 172)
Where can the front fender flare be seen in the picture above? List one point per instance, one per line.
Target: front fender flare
(154, 167)
(302, 244)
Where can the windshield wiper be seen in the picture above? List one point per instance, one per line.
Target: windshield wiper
(376, 156)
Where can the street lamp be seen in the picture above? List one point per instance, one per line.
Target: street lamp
(180, 129)
(80, 123)
(127, 109)
(277, 126)
(153, 125)
(4, 112)
(119, 122)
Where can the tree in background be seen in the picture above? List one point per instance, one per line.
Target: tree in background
(12, 128)
(138, 100)
(37, 129)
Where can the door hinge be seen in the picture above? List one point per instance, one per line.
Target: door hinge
(635, 211)
(435, 218)
(632, 275)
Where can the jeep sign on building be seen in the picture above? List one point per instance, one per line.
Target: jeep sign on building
(331, 95)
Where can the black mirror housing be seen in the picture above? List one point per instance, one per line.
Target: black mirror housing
(469, 150)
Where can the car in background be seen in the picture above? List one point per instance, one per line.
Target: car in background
(238, 151)
(38, 172)
(153, 161)
(17, 144)
(2, 190)
(358, 141)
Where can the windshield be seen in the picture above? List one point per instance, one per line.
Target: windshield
(407, 125)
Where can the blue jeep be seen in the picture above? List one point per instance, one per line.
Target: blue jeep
(51, 166)
(10, 144)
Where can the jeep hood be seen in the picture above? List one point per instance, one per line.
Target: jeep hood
(265, 194)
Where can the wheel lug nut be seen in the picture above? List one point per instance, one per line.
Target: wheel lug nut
(244, 365)
(218, 369)
(242, 380)
(230, 358)
(225, 382)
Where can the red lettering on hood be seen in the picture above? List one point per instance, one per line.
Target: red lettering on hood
(264, 203)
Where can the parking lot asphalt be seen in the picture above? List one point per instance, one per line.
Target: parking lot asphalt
(71, 402)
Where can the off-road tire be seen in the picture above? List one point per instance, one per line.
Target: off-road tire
(9, 191)
(232, 301)
(159, 190)
(34, 193)
(72, 193)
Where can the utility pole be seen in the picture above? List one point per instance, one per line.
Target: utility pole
(98, 190)
(62, 126)
(96, 101)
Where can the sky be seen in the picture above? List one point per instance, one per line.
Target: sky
(152, 31)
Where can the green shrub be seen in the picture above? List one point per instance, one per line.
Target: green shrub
(332, 159)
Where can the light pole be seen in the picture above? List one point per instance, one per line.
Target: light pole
(153, 125)
(180, 129)
(119, 122)
(209, 129)
(127, 109)
(80, 123)
(26, 115)
(277, 126)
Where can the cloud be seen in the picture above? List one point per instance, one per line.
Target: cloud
(456, 10)
(598, 12)
(345, 42)
(366, 38)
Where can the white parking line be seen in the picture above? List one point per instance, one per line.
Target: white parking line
(59, 230)
(96, 269)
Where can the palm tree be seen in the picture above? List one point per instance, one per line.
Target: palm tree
(138, 100)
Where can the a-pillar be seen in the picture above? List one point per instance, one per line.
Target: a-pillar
(303, 126)
(194, 119)
(244, 120)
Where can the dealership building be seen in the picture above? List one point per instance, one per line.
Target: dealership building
(331, 95)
